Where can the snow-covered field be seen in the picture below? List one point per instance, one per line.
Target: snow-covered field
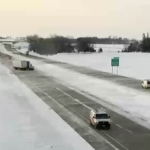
(135, 65)
(26, 121)
(110, 47)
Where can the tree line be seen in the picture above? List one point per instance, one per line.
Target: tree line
(60, 44)
(142, 46)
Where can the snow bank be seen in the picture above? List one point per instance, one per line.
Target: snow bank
(26, 121)
(135, 65)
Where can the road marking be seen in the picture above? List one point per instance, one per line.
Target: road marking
(78, 100)
(42, 86)
(49, 97)
(89, 107)
(74, 99)
(118, 125)
(65, 93)
(79, 115)
(129, 131)
(83, 104)
(125, 129)
(115, 140)
(88, 120)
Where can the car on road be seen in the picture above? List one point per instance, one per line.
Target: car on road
(146, 84)
(99, 119)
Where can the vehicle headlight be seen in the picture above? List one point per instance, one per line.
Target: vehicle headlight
(96, 121)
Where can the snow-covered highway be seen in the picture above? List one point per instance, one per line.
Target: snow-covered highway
(60, 84)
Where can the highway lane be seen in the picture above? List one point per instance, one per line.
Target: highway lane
(124, 134)
(122, 80)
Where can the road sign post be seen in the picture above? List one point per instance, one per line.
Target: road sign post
(115, 63)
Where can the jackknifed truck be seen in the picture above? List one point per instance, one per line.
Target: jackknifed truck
(22, 64)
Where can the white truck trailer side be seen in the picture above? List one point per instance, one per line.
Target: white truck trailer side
(22, 64)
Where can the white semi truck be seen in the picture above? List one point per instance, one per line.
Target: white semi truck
(22, 64)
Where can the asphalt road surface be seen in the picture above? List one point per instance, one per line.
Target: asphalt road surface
(74, 108)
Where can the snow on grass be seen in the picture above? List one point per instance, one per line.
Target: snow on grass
(27, 123)
(110, 47)
(135, 65)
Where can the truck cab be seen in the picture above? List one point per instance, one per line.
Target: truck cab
(146, 84)
(30, 66)
(99, 118)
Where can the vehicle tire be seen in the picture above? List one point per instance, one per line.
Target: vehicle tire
(96, 126)
(90, 123)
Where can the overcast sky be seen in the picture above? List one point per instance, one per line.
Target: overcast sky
(127, 18)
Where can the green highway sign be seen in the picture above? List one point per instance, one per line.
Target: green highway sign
(115, 61)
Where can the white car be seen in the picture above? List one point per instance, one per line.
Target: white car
(99, 118)
(146, 84)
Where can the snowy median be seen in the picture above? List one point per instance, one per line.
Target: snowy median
(26, 121)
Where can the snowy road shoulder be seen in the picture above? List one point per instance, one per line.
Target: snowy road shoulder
(26, 121)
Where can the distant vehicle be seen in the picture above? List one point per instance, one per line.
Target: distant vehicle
(146, 84)
(99, 118)
(27, 53)
(22, 64)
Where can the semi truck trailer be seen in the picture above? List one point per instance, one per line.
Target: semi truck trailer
(22, 64)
